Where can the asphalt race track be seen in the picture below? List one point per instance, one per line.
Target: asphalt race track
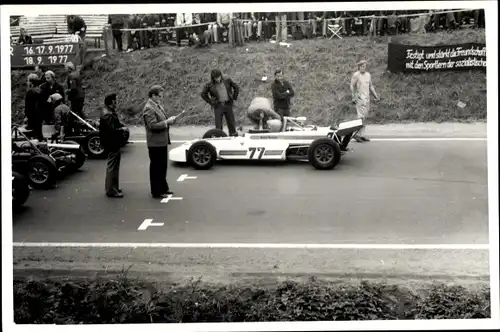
(394, 193)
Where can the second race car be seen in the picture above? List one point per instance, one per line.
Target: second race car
(322, 147)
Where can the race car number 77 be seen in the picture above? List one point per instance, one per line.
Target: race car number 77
(260, 152)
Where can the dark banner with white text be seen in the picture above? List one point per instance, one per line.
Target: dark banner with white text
(418, 59)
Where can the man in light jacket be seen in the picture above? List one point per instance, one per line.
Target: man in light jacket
(158, 138)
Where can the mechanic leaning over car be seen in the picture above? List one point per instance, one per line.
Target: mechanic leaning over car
(282, 94)
(62, 118)
(110, 132)
(74, 90)
(47, 89)
(260, 110)
(221, 93)
(31, 110)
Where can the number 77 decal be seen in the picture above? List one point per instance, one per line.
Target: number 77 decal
(260, 152)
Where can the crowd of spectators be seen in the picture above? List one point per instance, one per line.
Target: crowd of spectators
(145, 31)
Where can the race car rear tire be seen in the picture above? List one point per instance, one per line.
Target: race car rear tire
(202, 155)
(214, 133)
(92, 145)
(80, 157)
(20, 190)
(41, 172)
(324, 153)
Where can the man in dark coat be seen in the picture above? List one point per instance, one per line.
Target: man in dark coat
(110, 131)
(158, 139)
(31, 109)
(282, 94)
(117, 22)
(47, 89)
(221, 93)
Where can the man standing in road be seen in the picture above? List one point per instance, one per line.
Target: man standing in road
(361, 87)
(282, 94)
(221, 93)
(110, 131)
(158, 138)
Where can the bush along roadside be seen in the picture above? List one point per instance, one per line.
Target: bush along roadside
(124, 300)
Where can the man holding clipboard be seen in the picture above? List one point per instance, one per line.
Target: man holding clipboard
(158, 138)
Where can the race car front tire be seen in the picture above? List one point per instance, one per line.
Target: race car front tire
(42, 172)
(214, 133)
(20, 190)
(202, 155)
(324, 153)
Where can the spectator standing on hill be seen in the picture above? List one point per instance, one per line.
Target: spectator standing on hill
(181, 21)
(24, 37)
(158, 139)
(282, 94)
(223, 23)
(77, 24)
(361, 88)
(134, 37)
(220, 93)
(47, 89)
(117, 23)
(74, 89)
(31, 109)
(145, 34)
(110, 132)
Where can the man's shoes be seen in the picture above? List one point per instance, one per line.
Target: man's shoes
(119, 195)
(165, 195)
(365, 139)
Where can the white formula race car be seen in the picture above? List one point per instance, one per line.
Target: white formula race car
(322, 147)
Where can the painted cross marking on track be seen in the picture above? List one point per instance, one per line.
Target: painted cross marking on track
(147, 223)
(170, 197)
(183, 177)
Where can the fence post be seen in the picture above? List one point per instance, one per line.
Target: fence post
(105, 37)
(231, 33)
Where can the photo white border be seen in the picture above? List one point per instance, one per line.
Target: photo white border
(491, 12)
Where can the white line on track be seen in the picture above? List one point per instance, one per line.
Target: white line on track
(258, 246)
(416, 139)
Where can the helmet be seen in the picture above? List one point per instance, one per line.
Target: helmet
(274, 125)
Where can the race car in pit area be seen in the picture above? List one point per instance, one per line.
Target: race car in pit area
(20, 189)
(322, 147)
(86, 134)
(41, 162)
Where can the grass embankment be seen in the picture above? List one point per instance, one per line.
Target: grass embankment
(319, 70)
(125, 300)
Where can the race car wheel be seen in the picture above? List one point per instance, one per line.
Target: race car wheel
(20, 190)
(214, 133)
(42, 172)
(202, 155)
(324, 153)
(80, 156)
(92, 145)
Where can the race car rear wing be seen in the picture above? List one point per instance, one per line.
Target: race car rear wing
(349, 127)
